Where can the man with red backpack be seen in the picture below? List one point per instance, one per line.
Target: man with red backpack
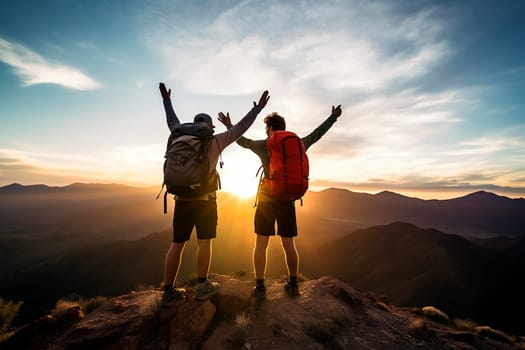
(273, 207)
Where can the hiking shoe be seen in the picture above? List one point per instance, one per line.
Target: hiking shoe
(259, 293)
(171, 295)
(292, 289)
(206, 290)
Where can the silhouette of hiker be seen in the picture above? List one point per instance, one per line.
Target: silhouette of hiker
(270, 210)
(199, 212)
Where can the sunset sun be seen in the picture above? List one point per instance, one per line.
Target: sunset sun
(244, 188)
(239, 176)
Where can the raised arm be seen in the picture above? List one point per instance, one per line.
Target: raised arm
(315, 135)
(235, 131)
(254, 145)
(171, 117)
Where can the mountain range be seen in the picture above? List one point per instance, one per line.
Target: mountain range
(94, 240)
(414, 266)
(479, 214)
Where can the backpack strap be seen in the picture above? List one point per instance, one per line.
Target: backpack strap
(261, 179)
(221, 163)
(165, 199)
(301, 160)
(161, 188)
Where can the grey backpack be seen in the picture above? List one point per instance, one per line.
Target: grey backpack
(187, 170)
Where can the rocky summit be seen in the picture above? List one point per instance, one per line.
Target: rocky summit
(328, 314)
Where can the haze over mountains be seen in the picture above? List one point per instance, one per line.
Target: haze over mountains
(481, 214)
(39, 207)
(107, 239)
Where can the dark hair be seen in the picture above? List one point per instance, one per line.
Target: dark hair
(275, 121)
(203, 118)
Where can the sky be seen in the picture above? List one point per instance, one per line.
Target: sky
(432, 92)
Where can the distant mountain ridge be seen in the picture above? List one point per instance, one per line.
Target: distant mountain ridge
(24, 208)
(481, 214)
(77, 186)
(414, 266)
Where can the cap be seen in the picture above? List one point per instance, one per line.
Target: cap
(203, 118)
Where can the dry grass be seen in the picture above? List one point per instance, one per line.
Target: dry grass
(8, 311)
(87, 305)
(150, 305)
(5, 336)
(63, 305)
(240, 331)
(242, 320)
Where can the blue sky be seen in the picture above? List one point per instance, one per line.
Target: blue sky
(432, 92)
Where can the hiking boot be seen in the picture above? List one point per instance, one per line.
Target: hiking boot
(259, 293)
(206, 290)
(292, 289)
(171, 295)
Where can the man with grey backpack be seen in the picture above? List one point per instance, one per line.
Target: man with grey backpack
(189, 173)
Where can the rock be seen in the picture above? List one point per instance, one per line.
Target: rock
(44, 329)
(117, 321)
(328, 314)
(190, 323)
(233, 297)
(435, 314)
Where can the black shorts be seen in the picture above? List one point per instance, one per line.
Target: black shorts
(201, 214)
(267, 213)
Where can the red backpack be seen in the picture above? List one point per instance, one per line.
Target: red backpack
(288, 177)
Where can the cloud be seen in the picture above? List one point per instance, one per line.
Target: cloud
(34, 69)
(496, 156)
(14, 169)
(487, 145)
(137, 165)
(492, 162)
(337, 45)
(311, 56)
(369, 57)
(374, 58)
(425, 188)
(393, 128)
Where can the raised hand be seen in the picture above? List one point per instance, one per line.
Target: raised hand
(263, 100)
(336, 111)
(225, 119)
(165, 93)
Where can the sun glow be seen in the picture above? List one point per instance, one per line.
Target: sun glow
(238, 176)
(243, 189)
